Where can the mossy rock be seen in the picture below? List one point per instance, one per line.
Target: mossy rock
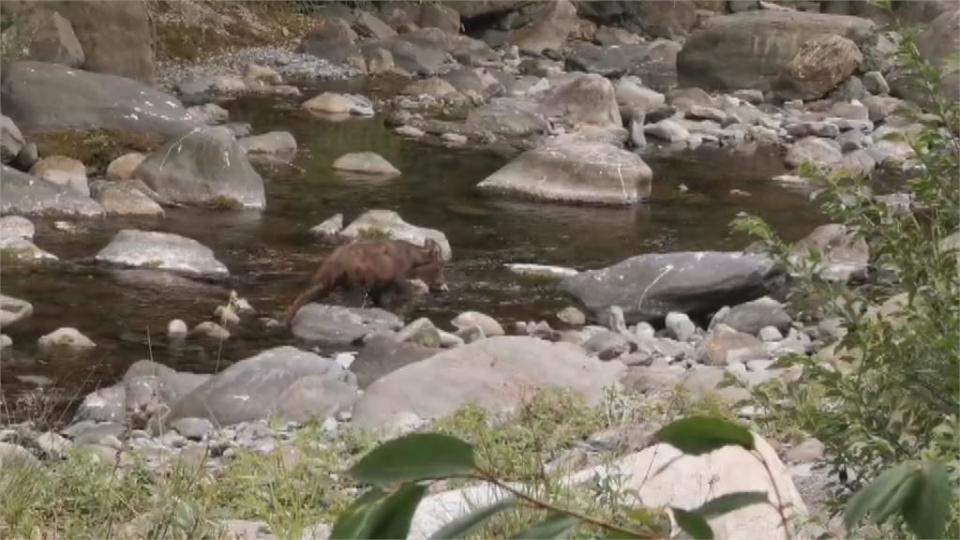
(96, 148)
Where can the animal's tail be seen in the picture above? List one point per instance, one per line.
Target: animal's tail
(314, 291)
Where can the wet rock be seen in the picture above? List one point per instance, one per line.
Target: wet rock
(541, 270)
(22, 251)
(587, 99)
(262, 74)
(212, 114)
(572, 316)
(680, 326)
(64, 342)
(13, 310)
(494, 373)
(815, 150)
(124, 198)
(164, 251)
(488, 324)
(341, 326)
(47, 98)
(550, 28)
(843, 254)
(328, 228)
(434, 87)
(365, 163)
(211, 330)
(11, 140)
(272, 146)
(254, 388)
(176, 329)
(763, 43)
(330, 103)
(724, 345)
(206, 166)
(420, 332)
(575, 172)
(16, 227)
(124, 166)
(24, 194)
(667, 130)
(390, 223)
(652, 285)
(508, 117)
(751, 317)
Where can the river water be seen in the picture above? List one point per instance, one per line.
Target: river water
(271, 254)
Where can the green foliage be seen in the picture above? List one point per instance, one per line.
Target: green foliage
(377, 514)
(415, 457)
(700, 435)
(888, 391)
(375, 233)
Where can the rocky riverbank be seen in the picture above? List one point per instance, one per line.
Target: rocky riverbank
(581, 96)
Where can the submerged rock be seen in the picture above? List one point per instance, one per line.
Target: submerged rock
(25, 194)
(64, 342)
(365, 163)
(163, 251)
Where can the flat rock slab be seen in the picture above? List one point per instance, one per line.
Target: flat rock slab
(324, 324)
(647, 287)
(497, 373)
(162, 251)
(253, 388)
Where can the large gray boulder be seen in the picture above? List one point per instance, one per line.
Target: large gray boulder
(117, 37)
(45, 36)
(48, 98)
(497, 373)
(821, 64)
(205, 166)
(654, 62)
(597, 173)
(551, 26)
(647, 287)
(269, 385)
(509, 117)
(330, 325)
(25, 194)
(162, 251)
(383, 353)
(750, 50)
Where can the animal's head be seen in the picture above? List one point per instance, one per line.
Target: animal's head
(429, 267)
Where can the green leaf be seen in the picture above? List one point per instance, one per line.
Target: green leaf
(927, 512)
(354, 521)
(730, 502)
(872, 497)
(378, 515)
(701, 434)
(394, 514)
(556, 525)
(415, 457)
(463, 526)
(693, 524)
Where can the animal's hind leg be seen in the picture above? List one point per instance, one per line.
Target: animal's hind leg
(314, 291)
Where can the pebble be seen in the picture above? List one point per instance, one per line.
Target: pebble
(176, 329)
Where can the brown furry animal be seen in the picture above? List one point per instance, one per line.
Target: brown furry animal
(377, 267)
